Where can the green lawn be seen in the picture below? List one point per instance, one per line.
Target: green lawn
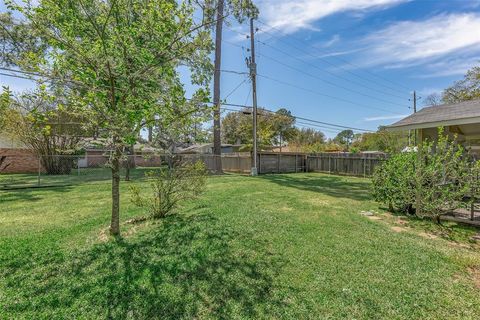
(277, 246)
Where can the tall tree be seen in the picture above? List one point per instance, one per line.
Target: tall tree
(307, 140)
(382, 140)
(48, 126)
(345, 138)
(237, 127)
(240, 9)
(120, 58)
(433, 99)
(283, 126)
(466, 89)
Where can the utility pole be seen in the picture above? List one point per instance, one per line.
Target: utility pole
(415, 111)
(253, 75)
(217, 143)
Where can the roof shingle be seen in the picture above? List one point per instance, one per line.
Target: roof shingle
(447, 112)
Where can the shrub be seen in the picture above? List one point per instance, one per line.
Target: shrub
(443, 172)
(394, 182)
(170, 187)
(433, 180)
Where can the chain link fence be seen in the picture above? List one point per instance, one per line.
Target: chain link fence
(57, 170)
(27, 170)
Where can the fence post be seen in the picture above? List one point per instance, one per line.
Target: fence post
(278, 163)
(296, 160)
(78, 166)
(329, 165)
(259, 162)
(364, 165)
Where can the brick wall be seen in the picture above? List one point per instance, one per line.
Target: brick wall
(19, 161)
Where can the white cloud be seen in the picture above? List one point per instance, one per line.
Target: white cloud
(293, 15)
(409, 43)
(335, 39)
(450, 66)
(379, 118)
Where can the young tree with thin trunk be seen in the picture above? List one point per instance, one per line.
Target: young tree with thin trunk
(120, 58)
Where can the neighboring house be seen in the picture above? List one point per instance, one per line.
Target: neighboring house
(97, 155)
(460, 119)
(207, 148)
(18, 157)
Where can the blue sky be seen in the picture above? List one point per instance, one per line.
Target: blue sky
(373, 53)
(349, 62)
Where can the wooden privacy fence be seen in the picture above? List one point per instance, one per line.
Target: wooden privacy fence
(345, 163)
(269, 162)
(362, 165)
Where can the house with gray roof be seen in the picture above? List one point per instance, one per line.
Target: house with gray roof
(460, 119)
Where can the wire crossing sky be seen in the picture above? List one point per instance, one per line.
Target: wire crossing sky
(352, 63)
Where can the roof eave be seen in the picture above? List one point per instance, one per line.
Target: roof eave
(435, 124)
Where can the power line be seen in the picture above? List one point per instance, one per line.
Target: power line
(324, 94)
(299, 123)
(331, 83)
(340, 59)
(317, 92)
(331, 73)
(293, 116)
(235, 89)
(227, 104)
(315, 66)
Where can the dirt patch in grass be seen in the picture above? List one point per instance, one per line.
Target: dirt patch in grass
(427, 235)
(474, 273)
(374, 218)
(319, 202)
(399, 229)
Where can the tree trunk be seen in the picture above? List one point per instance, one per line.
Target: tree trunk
(115, 222)
(150, 134)
(217, 143)
(130, 162)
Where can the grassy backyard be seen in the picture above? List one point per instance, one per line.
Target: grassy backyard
(274, 246)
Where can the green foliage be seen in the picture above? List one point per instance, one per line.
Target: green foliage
(283, 126)
(239, 252)
(120, 62)
(466, 89)
(5, 100)
(170, 187)
(46, 125)
(271, 127)
(434, 180)
(307, 140)
(344, 138)
(240, 9)
(394, 182)
(382, 140)
(442, 176)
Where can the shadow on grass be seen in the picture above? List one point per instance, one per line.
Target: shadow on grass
(30, 194)
(185, 267)
(335, 186)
